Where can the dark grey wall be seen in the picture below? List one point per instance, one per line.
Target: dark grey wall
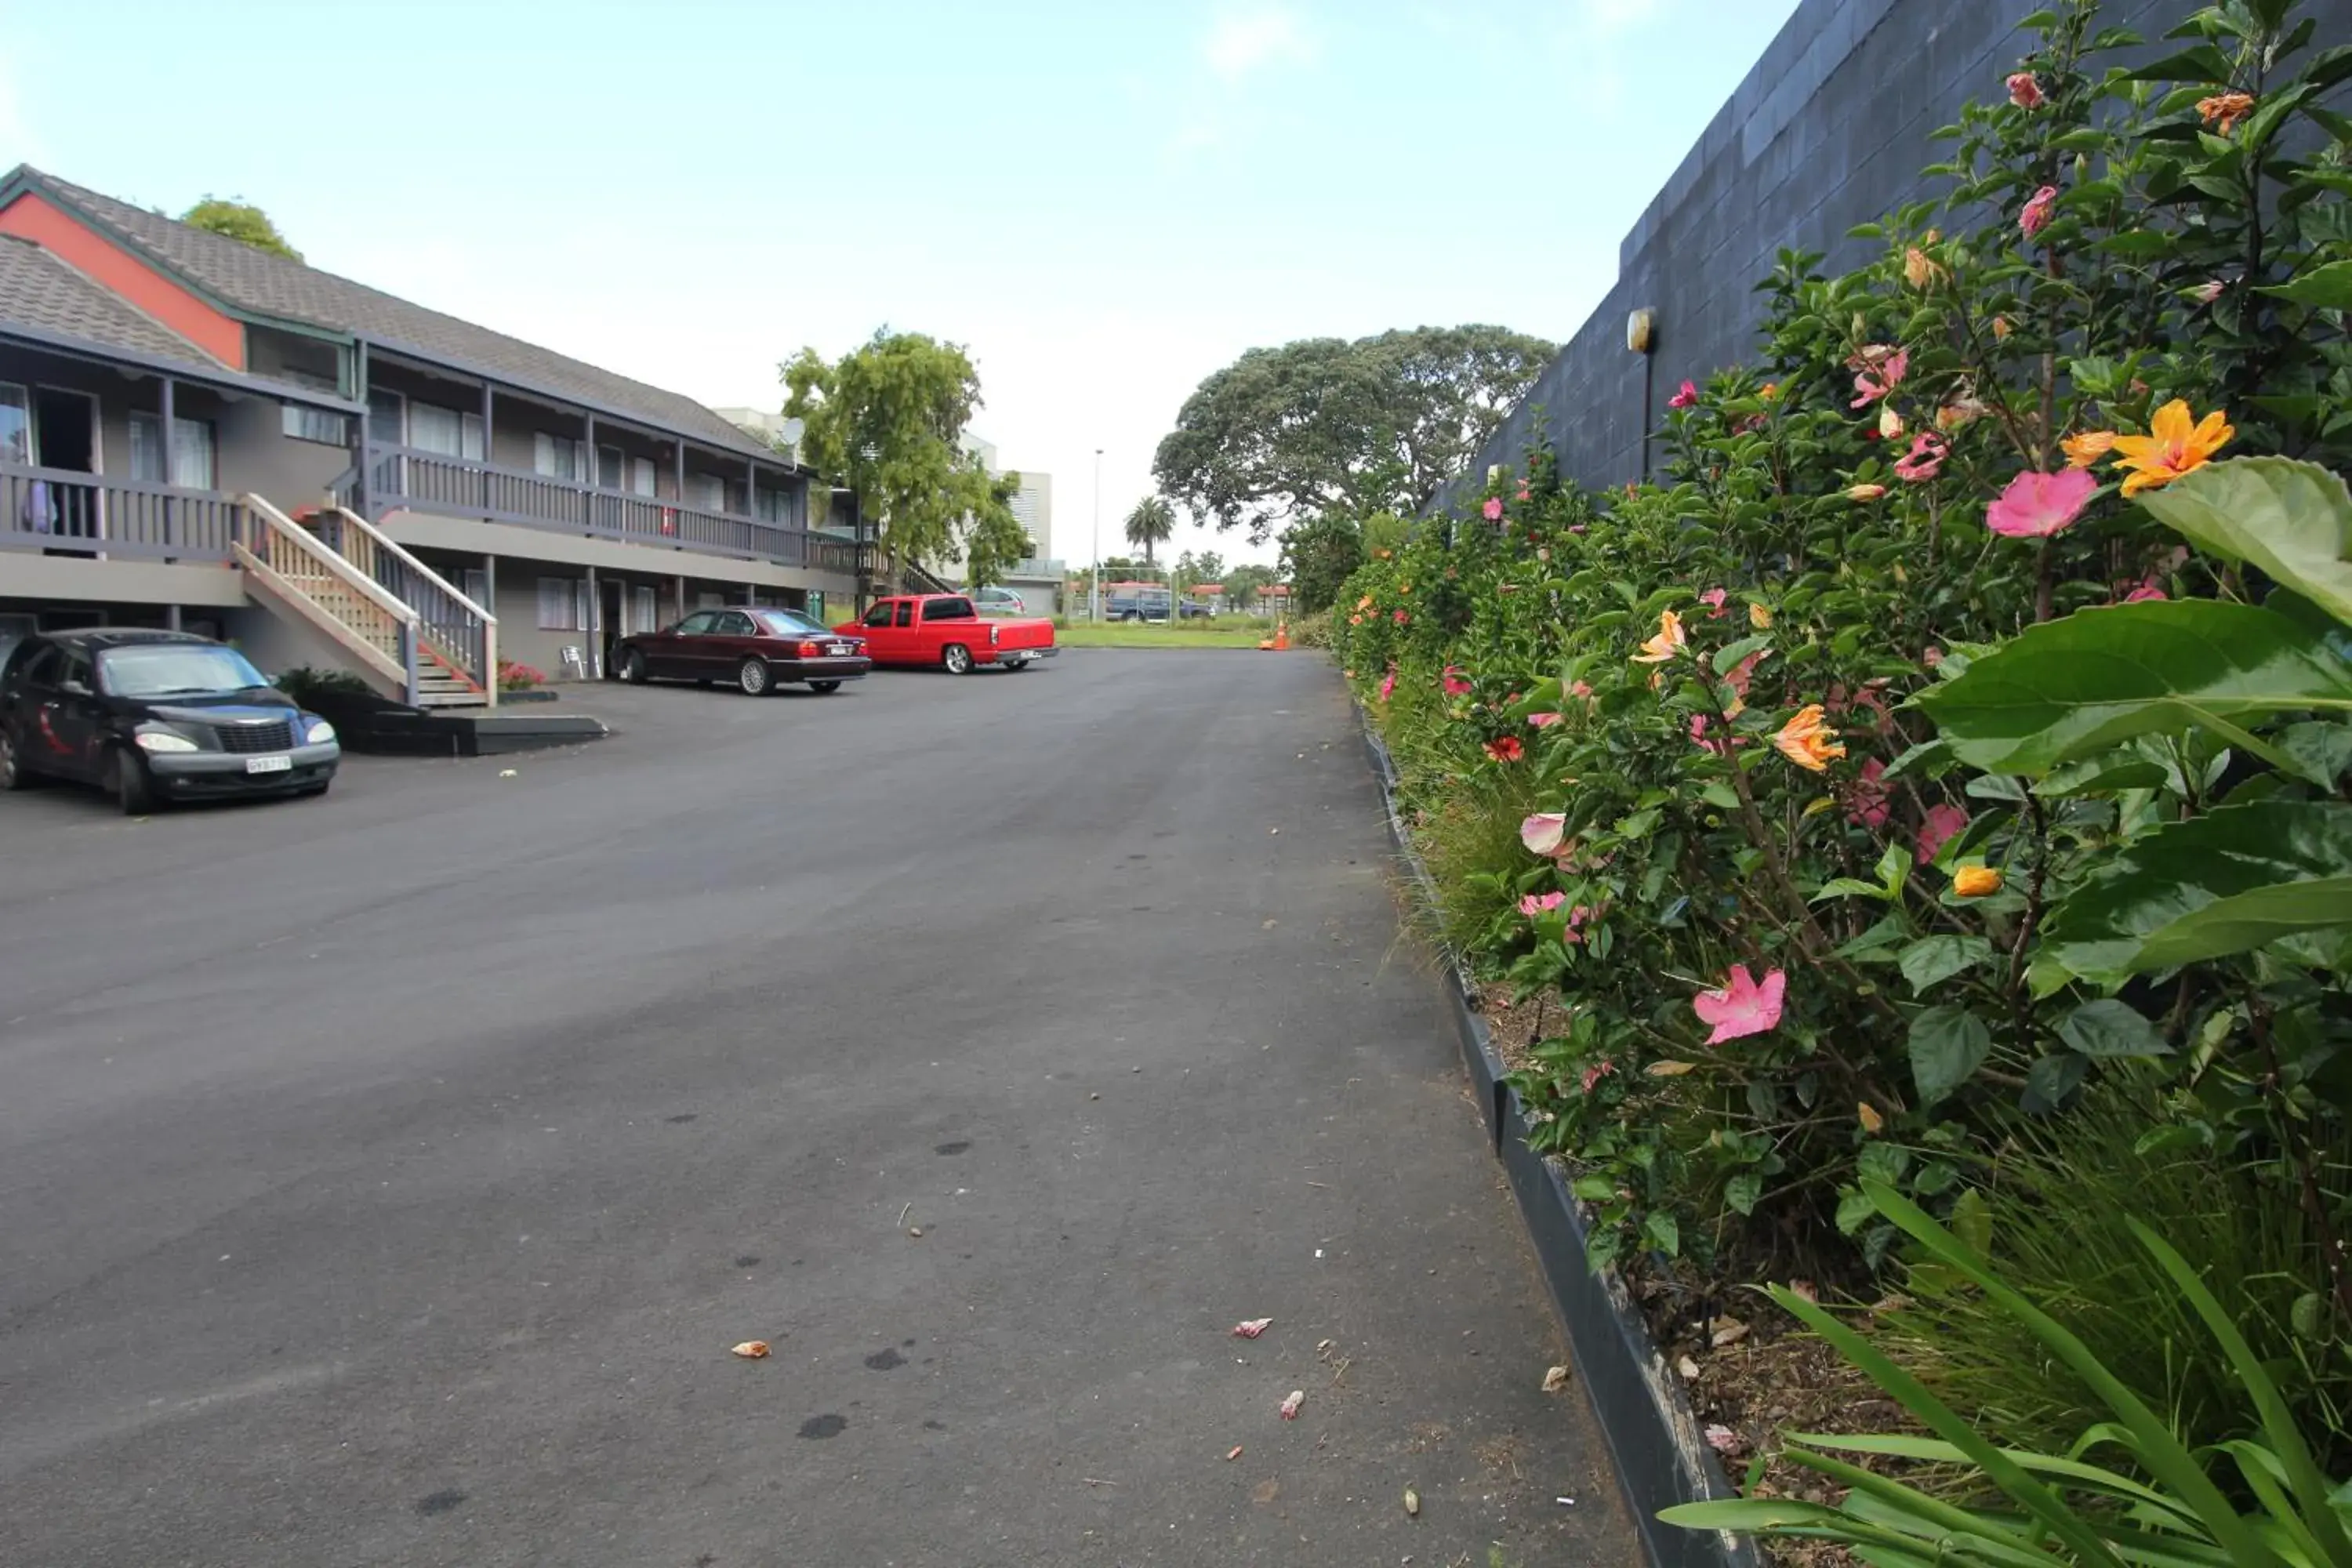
(1829, 130)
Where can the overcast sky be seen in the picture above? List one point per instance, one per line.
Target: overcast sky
(1104, 203)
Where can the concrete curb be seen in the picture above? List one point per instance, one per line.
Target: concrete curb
(1655, 1442)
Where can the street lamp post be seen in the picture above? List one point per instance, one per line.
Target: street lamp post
(1096, 596)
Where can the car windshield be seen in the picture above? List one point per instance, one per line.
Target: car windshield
(789, 624)
(176, 670)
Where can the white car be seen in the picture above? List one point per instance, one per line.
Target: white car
(994, 601)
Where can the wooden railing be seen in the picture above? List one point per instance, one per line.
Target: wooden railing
(466, 487)
(63, 511)
(360, 614)
(458, 633)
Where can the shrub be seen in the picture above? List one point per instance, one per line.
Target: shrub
(1866, 781)
(306, 685)
(515, 676)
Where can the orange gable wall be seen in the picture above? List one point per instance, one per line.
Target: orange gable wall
(31, 216)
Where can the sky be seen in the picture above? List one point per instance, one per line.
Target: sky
(1103, 204)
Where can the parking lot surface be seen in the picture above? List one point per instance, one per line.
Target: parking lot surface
(385, 1179)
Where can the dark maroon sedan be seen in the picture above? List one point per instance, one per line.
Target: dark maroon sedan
(755, 647)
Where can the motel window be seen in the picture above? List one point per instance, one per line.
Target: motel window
(561, 604)
(15, 425)
(446, 432)
(555, 456)
(641, 611)
(641, 475)
(323, 426)
(191, 451)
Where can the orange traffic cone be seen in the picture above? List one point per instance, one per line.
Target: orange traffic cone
(1282, 633)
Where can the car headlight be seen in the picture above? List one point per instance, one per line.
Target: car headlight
(319, 734)
(163, 741)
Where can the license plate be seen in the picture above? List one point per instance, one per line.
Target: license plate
(268, 765)
(840, 648)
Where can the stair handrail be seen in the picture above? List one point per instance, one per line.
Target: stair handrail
(335, 563)
(384, 541)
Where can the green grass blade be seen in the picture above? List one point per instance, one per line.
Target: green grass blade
(1995, 1540)
(2027, 1493)
(2317, 1520)
(2153, 1440)
(1929, 1451)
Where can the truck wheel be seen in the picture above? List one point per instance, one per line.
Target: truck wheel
(825, 688)
(957, 658)
(752, 677)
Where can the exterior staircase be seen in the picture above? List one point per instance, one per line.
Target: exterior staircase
(401, 626)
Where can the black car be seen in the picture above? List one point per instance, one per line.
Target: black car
(152, 717)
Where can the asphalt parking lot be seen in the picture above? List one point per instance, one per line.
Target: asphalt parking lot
(384, 1178)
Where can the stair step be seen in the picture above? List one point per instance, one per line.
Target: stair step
(450, 700)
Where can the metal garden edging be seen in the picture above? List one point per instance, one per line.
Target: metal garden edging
(1656, 1444)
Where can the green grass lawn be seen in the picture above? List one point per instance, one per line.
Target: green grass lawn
(1144, 634)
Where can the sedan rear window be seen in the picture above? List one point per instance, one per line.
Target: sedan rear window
(788, 624)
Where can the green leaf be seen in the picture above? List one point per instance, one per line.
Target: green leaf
(1947, 1046)
(1854, 1210)
(2328, 287)
(2069, 689)
(1894, 870)
(2050, 1079)
(1594, 1189)
(1743, 1191)
(2292, 519)
(1721, 796)
(1664, 1233)
(2226, 882)
(1848, 887)
(1934, 959)
(2095, 775)
(2109, 1029)
(2204, 64)
(1972, 1221)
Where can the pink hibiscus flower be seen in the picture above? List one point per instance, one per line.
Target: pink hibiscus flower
(1507, 749)
(2037, 505)
(1867, 805)
(2035, 216)
(1742, 1008)
(1544, 833)
(1401, 618)
(1453, 682)
(1388, 684)
(1595, 1073)
(1493, 510)
(1713, 599)
(1943, 824)
(2146, 591)
(1684, 399)
(1925, 460)
(1873, 379)
(2024, 91)
(1534, 904)
(1543, 721)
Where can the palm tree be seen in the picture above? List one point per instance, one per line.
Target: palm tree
(1151, 523)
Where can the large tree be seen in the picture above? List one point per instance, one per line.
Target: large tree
(994, 539)
(1191, 569)
(1152, 522)
(237, 221)
(885, 420)
(1373, 424)
(1319, 556)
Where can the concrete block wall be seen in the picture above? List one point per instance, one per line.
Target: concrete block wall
(1832, 129)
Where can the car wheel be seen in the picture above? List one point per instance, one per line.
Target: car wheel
(825, 688)
(1018, 664)
(633, 667)
(13, 774)
(751, 674)
(313, 793)
(956, 658)
(134, 792)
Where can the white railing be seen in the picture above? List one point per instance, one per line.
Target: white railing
(356, 610)
(457, 633)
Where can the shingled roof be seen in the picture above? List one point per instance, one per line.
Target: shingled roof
(262, 284)
(39, 291)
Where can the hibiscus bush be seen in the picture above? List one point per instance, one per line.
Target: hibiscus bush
(1962, 712)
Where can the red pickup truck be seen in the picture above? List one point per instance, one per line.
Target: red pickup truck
(943, 631)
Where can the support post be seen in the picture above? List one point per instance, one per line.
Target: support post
(489, 448)
(172, 616)
(594, 478)
(595, 649)
(170, 414)
(412, 678)
(490, 604)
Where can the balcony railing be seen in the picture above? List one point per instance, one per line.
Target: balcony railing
(466, 487)
(66, 512)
